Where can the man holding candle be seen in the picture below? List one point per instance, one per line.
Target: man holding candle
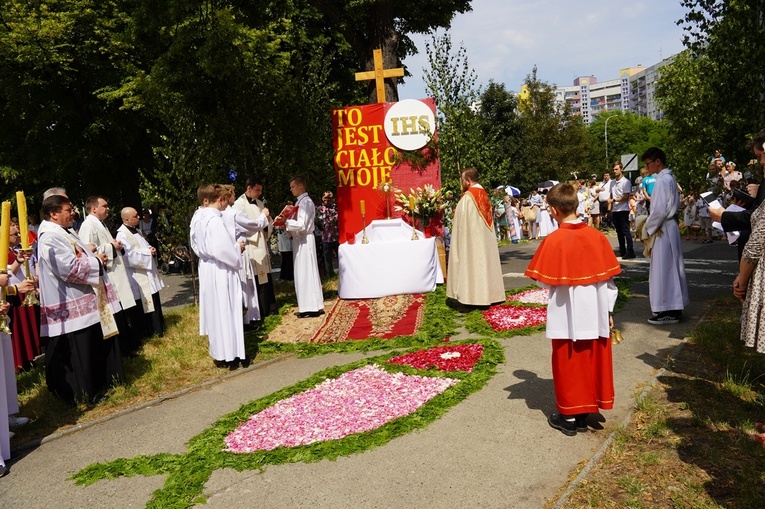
(475, 274)
(77, 302)
(307, 281)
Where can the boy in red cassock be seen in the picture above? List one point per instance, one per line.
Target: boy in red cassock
(577, 264)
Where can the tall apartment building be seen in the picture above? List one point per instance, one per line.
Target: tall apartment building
(633, 91)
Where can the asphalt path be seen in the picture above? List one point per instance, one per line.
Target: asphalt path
(494, 449)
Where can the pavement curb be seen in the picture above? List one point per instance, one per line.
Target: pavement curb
(595, 459)
(157, 401)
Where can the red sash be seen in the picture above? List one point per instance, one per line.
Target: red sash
(483, 204)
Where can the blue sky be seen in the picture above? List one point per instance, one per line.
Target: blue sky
(563, 38)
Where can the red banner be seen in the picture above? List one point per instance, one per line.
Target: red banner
(365, 159)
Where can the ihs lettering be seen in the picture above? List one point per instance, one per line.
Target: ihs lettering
(404, 126)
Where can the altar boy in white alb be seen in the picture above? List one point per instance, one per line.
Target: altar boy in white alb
(307, 280)
(220, 289)
(145, 282)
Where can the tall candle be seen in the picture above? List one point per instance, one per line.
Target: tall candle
(21, 205)
(5, 234)
(411, 204)
(363, 207)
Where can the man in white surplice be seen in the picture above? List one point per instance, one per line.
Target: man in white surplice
(94, 232)
(243, 227)
(220, 300)
(256, 270)
(145, 282)
(307, 280)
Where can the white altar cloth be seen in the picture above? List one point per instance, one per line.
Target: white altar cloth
(391, 264)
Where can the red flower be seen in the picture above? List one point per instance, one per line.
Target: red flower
(445, 358)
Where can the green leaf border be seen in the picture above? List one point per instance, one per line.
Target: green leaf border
(188, 473)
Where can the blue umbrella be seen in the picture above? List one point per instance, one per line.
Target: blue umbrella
(512, 191)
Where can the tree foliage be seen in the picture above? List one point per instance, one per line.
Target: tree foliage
(452, 83)
(554, 144)
(628, 133)
(501, 135)
(713, 95)
(143, 100)
(385, 24)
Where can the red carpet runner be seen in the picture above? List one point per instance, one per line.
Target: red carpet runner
(383, 318)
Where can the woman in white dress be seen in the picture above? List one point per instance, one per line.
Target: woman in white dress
(545, 221)
(513, 213)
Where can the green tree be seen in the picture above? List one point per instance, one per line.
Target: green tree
(501, 135)
(713, 94)
(58, 125)
(386, 24)
(452, 83)
(628, 133)
(555, 145)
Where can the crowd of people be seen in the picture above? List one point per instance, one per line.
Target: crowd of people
(99, 287)
(582, 295)
(98, 301)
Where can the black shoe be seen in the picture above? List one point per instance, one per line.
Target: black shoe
(629, 256)
(4, 470)
(568, 428)
(233, 365)
(220, 364)
(581, 422)
(246, 362)
(310, 314)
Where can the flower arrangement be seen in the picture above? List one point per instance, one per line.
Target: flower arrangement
(508, 317)
(357, 401)
(532, 296)
(424, 202)
(445, 358)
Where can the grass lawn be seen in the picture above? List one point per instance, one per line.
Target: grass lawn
(688, 443)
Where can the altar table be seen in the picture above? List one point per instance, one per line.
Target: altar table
(391, 264)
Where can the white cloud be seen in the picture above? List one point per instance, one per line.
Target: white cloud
(506, 38)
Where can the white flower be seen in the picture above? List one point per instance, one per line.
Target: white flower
(450, 355)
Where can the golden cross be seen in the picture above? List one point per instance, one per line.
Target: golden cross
(379, 74)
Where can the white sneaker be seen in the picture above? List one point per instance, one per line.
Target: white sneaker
(15, 422)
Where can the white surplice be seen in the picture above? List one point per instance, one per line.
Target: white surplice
(220, 289)
(244, 227)
(307, 280)
(141, 267)
(68, 273)
(580, 312)
(93, 231)
(667, 287)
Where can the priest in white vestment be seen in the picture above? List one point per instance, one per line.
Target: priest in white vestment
(256, 270)
(141, 265)
(474, 276)
(77, 304)
(667, 287)
(307, 280)
(220, 301)
(93, 231)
